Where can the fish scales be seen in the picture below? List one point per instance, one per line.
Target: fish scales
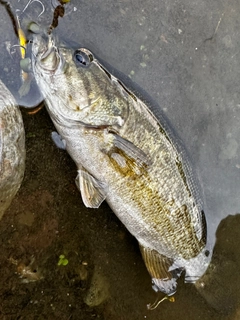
(12, 148)
(124, 156)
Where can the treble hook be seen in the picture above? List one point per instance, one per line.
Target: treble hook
(30, 2)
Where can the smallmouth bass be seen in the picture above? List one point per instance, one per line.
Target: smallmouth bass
(125, 155)
(12, 148)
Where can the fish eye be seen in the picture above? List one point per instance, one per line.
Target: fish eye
(82, 58)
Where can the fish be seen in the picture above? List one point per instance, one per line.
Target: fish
(126, 154)
(12, 148)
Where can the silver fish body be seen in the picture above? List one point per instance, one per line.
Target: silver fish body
(12, 148)
(127, 157)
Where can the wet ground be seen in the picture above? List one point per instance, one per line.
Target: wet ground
(60, 260)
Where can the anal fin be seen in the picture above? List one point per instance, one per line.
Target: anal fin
(158, 266)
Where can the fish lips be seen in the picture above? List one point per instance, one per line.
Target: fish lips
(45, 53)
(50, 59)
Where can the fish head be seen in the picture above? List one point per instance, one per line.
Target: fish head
(86, 92)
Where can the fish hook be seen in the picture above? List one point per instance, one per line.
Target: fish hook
(18, 45)
(30, 2)
(157, 302)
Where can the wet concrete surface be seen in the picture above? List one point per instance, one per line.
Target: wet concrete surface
(186, 56)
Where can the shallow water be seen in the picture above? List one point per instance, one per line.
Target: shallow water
(185, 54)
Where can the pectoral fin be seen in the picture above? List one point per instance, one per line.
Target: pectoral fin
(130, 149)
(158, 266)
(93, 192)
(58, 140)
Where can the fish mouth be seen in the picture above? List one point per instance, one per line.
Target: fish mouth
(46, 53)
(50, 58)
